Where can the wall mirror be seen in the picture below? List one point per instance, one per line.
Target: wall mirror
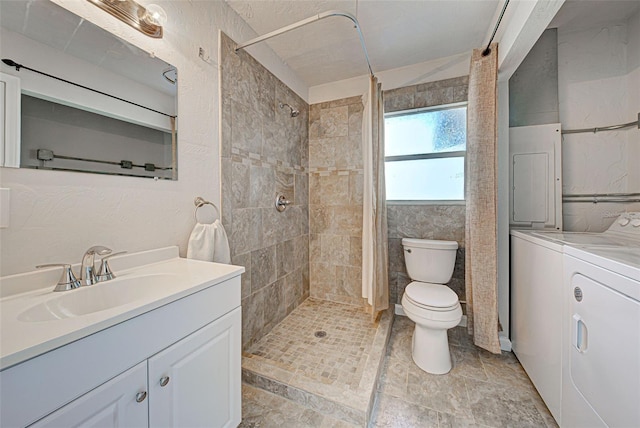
(77, 98)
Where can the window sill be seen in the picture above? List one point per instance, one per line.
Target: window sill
(430, 202)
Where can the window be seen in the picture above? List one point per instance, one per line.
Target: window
(425, 153)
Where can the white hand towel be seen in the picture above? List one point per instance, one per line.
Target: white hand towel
(208, 242)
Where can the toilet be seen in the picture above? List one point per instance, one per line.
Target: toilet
(429, 303)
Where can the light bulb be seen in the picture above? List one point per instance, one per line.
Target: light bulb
(155, 15)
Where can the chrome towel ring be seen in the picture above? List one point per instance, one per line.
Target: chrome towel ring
(198, 202)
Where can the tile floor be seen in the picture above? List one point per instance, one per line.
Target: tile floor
(335, 373)
(482, 390)
(338, 358)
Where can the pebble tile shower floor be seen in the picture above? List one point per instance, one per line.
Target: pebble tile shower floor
(335, 373)
(482, 390)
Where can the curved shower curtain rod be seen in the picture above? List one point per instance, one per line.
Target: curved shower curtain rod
(314, 18)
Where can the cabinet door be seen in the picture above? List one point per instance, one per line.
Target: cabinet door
(120, 402)
(196, 382)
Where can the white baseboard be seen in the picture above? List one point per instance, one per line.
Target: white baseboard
(399, 311)
(505, 343)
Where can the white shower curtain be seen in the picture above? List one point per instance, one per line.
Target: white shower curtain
(375, 282)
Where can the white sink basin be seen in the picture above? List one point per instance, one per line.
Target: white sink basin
(95, 298)
(34, 319)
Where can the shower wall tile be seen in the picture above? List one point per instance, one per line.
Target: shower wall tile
(301, 251)
(334, 122)
(335, 249)
(301, 189)
(285, 263)
(335, 200)
(443, 222)
(245, 261)
(253, 323)
(355, 118)
(264, 151)
(240, 180)
(285, 185)
(356, 187)
(321, 153)
(244, 134)
(274, 304)
(246, 230)
(355, 251)
(315, 246)
(260, 188)
(263, 267)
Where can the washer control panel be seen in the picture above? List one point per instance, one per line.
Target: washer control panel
(627, 224)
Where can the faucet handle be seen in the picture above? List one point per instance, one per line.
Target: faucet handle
(99, 250)
(105, 273)
(67, 281)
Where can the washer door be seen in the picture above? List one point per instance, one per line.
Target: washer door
(604, 352)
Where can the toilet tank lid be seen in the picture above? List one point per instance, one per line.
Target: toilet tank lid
(429, 243)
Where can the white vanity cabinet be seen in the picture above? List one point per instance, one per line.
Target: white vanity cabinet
(114, 404)
(196, 382)
(184, 353)
(193, 383)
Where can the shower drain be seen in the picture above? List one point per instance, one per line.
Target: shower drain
(320, 333)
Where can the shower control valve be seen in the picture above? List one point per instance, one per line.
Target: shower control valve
(281, 203)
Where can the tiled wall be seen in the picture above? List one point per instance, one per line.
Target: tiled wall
(335, 200)
(264, 152)
(445, 222)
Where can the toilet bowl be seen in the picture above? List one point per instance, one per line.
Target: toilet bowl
(434, 307)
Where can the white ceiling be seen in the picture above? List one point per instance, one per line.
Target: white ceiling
(397, 33)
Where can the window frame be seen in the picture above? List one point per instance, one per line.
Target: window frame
(420, 156)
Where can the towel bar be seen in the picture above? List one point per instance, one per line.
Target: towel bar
(198, 202)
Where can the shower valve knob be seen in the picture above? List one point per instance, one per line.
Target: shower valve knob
(281, 203)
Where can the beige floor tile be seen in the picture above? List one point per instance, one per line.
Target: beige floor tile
(482, 390)
(467, 363)
(498, 405)
(393, 412)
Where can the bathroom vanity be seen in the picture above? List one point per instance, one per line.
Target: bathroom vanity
(157, 346)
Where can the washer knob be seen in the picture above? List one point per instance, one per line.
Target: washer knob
(635, 222)
(623, 221)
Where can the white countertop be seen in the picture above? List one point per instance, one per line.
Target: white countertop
(172, 278)
(622, 260)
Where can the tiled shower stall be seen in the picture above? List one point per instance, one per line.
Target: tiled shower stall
(307, 334)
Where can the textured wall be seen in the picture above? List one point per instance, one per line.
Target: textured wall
(598, 77)
(57, 215)
(264, 153)
(335, 200)
(533, 88)
(443, 222)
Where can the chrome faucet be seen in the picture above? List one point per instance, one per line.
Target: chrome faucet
(88, 268)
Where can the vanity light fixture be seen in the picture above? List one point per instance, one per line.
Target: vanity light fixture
(147, 20)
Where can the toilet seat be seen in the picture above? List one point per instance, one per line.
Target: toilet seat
(432, 297)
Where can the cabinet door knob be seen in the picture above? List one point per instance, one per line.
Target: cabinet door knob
(140, 396)
(164, 380)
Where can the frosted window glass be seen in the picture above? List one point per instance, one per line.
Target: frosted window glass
(425, 179)
(432, 131)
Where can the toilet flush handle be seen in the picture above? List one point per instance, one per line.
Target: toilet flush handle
(408, 250)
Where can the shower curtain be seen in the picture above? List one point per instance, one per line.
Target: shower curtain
(481, 252)
(375, 281)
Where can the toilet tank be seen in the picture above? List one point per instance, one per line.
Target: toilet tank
(428, 260)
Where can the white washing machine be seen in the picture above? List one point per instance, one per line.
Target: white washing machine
(540, 306)
(601, 331)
